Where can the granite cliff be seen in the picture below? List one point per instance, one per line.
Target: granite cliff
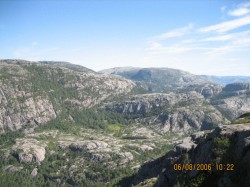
(32, 93)
(64, 124)
(216, 158)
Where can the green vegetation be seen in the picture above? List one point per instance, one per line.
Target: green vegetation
(87, 118)
(9, 138)
(221, 146)
(244, 118)
(51, 82)
(147, 183)
(235, 171)
(69, 166)
(114, 127)
(21, 179)
(197, 181)
(72, 167)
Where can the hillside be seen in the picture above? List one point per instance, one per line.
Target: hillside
(224, 80)
(67, 65)
(34, 93)
(175, 112)
(233, 100)
(218, 158)
(63, 124)
(161, 79)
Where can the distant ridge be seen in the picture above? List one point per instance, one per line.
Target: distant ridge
(159, 79)
(63, 64)
(139, 74)
(227, 79)
(68, 65)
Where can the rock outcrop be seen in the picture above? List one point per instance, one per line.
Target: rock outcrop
(234, 100)
(237, 87)
(227, 147)
(29, 150)
(34, 172)
(159, 79)
(171, 112)
(33, 93)
(12, 169)
(88, 146)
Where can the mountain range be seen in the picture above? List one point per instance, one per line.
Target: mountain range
(65, 124)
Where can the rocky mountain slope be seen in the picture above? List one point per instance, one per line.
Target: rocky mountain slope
(63, 124)
(224, 80)
(94, 149)
(67, 65)
(161, 79)
(233, 100)
(219, 158)
(171, 112)
(34, 93)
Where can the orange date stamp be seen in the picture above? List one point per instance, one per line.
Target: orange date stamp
(203, 167)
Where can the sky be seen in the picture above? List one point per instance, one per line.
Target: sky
(209, 37)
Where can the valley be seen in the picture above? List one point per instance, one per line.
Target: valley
(64, 124)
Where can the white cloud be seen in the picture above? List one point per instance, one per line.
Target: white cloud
(218, 38)
(236, 45)
(216, 44)
(220, 50)
(174, 33)
(155, 48)
(234, 42)
(244, 35)
(213, 44)
(242, 42)
(241, 10)
(227, 25)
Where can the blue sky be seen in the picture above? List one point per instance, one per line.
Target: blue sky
(202, 37)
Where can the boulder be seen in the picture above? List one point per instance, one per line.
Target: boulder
(25, 157)
(186, 145)
(12, 169)
(34, 172)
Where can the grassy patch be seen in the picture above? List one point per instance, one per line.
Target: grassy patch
(114, 127)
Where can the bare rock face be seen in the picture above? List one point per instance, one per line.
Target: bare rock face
(237, 87)
(186, 145)
(231, 141)
(234, 100)
(125, 156)
(228, 144)
(160, 79)
(198, 136)
(30, 150)
(172, 112)
(146, 148)
(12, 169)
(209, 90)
(32, 93)
(96, 157)
(145, 103)
(34, 172)
(25, 157)
(235, 106)
(18, 104)
(87, 146)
